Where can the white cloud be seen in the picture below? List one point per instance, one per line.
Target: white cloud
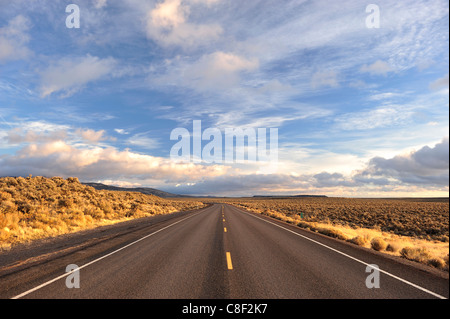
(168, 24)
(249, 118)
(210, 73)
(18, 135)
(13, 39)
(295, 157)
(98, 4)
(207, 2)
(324, 79)
(34, 132)
(70, 75)
(384, 96)
(384, 116)
(144, 141)
(424, 166)
(95, 162)
(121, 131)
(377, 68)
(39, 132)
(119, 183)
(91, 136)
(421, 172)
(441, 83)
(219, 69)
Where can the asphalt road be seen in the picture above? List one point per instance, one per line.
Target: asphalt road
(219, 252)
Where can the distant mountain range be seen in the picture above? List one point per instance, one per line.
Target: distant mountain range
(143, 190)
(163, 194)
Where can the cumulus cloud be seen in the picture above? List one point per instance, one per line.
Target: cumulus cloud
(168, 24)
(18, 135)
(419, 171)
(70, 75)
(42, 132)
(91, 136)
(424, 166)
(53, 150)
(95, 163)
(14, 38)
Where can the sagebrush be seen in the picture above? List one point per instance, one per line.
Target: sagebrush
(38, 207)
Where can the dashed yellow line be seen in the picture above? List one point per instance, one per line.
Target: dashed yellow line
(224, 229)
(229, 264)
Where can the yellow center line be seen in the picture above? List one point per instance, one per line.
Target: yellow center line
(225, 229)
(230, 265)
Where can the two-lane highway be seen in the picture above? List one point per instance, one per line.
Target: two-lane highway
(222, 252)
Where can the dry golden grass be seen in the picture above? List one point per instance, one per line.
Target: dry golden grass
(378, 244)
(411, 228)
(38, 207)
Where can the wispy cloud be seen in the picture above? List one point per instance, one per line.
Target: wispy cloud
(69, 75)
(143, 141)
(377, 68)
(441, 83)
(14, 39)
(121, 131)
(325, 79)
(384, 116)
(210, 73)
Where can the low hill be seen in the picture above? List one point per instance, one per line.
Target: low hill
(143, 190)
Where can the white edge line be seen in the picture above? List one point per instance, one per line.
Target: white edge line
(355, 259)
(98, 259)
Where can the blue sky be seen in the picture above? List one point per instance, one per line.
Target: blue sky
(359, 111)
